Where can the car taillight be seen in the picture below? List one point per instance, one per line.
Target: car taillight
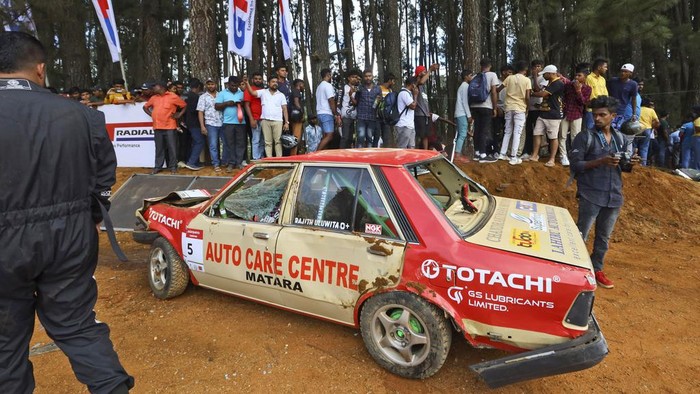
(580, 310)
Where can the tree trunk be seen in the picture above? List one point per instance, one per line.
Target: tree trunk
(392, 41)
(472, 34)
(72, 46)
(348, 43)
(150, 37)
(377, 43)
(203, 40)
(319, 38)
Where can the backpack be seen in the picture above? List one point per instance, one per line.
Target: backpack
(479, 90)
(388, 108)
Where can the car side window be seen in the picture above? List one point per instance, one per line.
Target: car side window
(344, 199)
(257, 197)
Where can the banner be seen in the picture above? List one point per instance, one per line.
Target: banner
(20, 18)
(241, 21)
(105, 13)
(286, 29)
(131, 133)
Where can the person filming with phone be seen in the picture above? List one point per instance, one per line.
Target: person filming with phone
(598, 157)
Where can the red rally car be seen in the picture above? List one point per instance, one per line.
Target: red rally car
(398, 243)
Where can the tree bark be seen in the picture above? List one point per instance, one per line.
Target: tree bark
(472, 34)
(150, 38)
(348, 42)
(203, 40)
(72, 47)
(392, 41)
(319, 38)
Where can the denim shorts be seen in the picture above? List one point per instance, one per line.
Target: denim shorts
(327, 123)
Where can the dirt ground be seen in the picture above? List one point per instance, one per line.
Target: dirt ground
(206, 342)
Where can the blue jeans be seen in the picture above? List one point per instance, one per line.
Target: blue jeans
(257, 144)
(197, 146)
(214, 134)
(462, 128)
(696, 151)
(327, 123)
(687, 158)
(366, 133)
(604, 219)
(642, 142)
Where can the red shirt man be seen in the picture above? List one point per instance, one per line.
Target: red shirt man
(253, 107)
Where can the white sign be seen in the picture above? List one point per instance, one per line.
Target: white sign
(131, 132)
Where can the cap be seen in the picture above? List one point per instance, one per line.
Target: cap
(234, 79)
(419, 70)
(627, 67)
(549, 69)
(148, 85)
(209, 79)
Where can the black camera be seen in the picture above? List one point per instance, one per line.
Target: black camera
(625, 162)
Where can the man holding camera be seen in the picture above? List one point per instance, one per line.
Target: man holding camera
(598, 157)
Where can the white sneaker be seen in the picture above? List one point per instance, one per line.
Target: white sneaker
(502, 157)
(564, 162)
(244, 163)
(515, 161)
(525, 156)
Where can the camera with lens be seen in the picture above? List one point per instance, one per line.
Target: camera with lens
(625, 161)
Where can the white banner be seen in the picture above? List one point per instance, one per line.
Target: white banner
(286, 29)
(131, 132)
(105, 13)
(241, 20)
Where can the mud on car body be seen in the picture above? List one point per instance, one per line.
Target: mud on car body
(398, 243)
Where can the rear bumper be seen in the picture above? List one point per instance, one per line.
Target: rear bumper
(575, 355)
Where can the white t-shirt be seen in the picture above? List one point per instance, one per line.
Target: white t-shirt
(272, 104)
(491, 81)
(324, 91)
(406, 120)
(346, 110)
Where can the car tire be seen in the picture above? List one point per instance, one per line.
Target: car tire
(405, 334)
(168, 275)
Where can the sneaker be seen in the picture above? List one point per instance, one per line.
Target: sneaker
(181, 164)
(525, 156)
(229, 168)
(217, 169)
(243, 164)
(192, 167)
(603, 280)
(488, 159)
(564, 162)
(515, 161)
(502, 157)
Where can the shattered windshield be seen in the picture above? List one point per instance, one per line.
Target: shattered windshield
(465, 203)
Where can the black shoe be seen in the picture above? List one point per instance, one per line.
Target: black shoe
(488, 159)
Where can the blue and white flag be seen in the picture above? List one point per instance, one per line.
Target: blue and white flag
(286, 28)
(241, 23)
(105, 14)
(20, 19)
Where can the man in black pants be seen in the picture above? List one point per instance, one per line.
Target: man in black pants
(483, 112)
(57, 167)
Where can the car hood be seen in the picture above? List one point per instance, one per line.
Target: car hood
(534, 229)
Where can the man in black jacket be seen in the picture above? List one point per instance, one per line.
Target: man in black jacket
(57, 166)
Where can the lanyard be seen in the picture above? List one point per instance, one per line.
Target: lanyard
(605, 143)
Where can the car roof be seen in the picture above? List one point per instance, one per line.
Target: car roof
(377, 156)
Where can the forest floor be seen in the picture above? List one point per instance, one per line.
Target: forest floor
(207, 342)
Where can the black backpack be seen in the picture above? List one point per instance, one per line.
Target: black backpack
(388, 108)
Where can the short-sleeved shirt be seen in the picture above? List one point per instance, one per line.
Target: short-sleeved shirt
(535, 102)
(324, 92)
(623, 91)
(272, 104)
(422, 106)
(696, 125)
(552, 107)
(255, 104)
(113, 97)
(491, 81)
(164, 106)
(404, 99)
(347, 110)
(212, 117)
(236, 113)
(296, 94)
(191, 118)
(647, 117)
(516, 87)
(597, 84)
(284, 88)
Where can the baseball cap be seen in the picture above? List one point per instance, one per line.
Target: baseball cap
(549, 69)
(148, 85)
(209, 79)
(234, 79)
(627, 67)
(419, 70)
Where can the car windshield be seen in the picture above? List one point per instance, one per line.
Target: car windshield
(467, 208)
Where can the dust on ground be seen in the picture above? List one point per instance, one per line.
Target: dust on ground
(208, 342)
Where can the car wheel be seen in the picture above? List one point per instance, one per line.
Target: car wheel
(405, 334)
(167, 273)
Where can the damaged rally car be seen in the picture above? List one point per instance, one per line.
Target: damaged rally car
(398, 243)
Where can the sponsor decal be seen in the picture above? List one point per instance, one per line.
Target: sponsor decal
(276, 266)
(15, 84)
(525, 239)
(273, 281)
(192, 250)
(555, 236)
(123, 134)
(431, 269)
(536, 221)
(195, 266)
(332, 224)
(371, 228)
(526, 206)
(168, 221)
(496, 227)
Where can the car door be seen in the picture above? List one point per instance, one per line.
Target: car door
(231, 246)
(339, 240)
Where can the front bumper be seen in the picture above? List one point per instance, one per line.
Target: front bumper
(575, 355)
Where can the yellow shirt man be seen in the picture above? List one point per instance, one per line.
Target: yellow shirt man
(648, 117)
(117, 96)
(597, 84)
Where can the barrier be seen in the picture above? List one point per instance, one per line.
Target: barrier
(131, 132)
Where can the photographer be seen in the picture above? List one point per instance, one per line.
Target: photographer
(597, 159)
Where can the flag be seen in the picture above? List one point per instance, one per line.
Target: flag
(105, 13)
(286, 28)
(19, 19)
(241, 21)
